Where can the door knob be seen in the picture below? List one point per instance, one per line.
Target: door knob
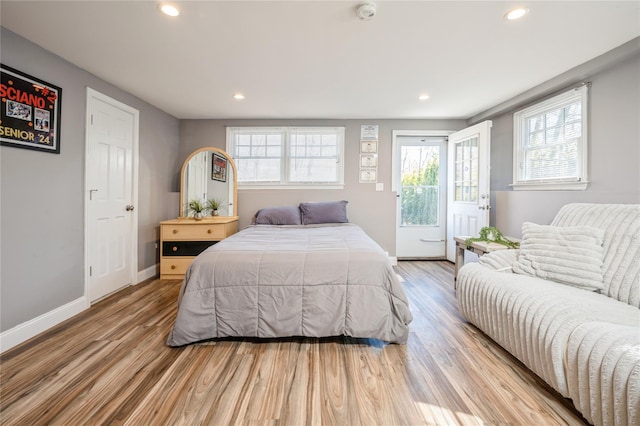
(129, 208)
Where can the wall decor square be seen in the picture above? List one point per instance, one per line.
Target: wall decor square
(218, 168)
(30, 111)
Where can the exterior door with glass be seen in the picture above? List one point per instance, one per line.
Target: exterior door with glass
(420, 183)
(468, 193)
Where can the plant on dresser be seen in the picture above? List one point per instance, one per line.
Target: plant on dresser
(213, 205)
(197, 209)
(181, 240)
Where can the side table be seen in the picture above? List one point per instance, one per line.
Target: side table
(478, 247)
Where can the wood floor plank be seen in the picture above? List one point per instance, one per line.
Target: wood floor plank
(268, 400)
(303, 403)
(110, 365)
(334, 386)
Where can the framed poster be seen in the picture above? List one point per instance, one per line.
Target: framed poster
(30, 111)
(218, 168)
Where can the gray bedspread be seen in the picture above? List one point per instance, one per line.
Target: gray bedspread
(280, 281)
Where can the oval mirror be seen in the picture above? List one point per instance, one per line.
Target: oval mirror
(209, 174)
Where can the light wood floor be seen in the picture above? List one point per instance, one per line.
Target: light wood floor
(110, 365)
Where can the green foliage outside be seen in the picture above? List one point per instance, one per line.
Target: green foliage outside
(420, 195)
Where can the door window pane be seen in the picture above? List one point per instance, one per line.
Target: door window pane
(420, 180)
(466, 164)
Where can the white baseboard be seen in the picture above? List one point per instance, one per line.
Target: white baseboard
(150, 272)
(393, 259)
(32, 328)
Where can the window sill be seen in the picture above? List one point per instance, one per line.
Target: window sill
(254, 187)
(550, 186)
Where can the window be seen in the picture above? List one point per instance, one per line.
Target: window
(291, 157)
(550, 143)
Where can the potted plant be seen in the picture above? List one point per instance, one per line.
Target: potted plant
(491, 234)
(213, 204)
(196, 208)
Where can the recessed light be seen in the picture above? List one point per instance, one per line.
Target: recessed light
(170, 10)
(423, 97)
(517, 13)
(238, 96)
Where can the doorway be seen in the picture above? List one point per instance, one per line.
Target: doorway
(111, 185)
(420, 182)
(468, 202)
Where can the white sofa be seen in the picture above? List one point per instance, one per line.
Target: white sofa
(585, 344)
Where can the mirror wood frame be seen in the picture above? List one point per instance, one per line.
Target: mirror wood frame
(229, 161)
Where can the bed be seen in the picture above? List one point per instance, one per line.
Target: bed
(313, 280)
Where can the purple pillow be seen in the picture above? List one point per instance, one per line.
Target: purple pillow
(327, 212)
(285, 215)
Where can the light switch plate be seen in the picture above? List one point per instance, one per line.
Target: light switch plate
(379, 186)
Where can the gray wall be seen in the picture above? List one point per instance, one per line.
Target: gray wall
(614, 152)
(42, 211)
(374, 211)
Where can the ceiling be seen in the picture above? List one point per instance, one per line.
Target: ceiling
(316, 59)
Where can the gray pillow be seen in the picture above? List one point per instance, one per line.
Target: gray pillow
(326, 212)
(284, 215)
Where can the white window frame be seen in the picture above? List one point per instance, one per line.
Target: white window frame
(580, 181)
(284, 173)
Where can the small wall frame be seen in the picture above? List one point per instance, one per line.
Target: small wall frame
(368, 175)
(218, 168)
(369, 147)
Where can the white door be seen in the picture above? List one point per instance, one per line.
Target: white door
(111, 159)
(421, 176)
(468, 195)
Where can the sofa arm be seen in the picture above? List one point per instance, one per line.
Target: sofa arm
(500, 260)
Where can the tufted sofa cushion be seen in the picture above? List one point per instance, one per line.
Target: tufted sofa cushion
(621, 224)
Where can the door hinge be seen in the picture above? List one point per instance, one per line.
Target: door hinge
(92, 119)
(90, 271)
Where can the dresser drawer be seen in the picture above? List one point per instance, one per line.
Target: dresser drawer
(185, 248)
(174, 266)
(212, 231)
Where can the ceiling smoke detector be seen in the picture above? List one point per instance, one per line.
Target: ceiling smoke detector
(366, 11)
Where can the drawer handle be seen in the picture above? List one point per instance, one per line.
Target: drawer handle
(175, 248)
(175, 231)
(173, 266)
(209, 231)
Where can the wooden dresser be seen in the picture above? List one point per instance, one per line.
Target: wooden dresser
(181, 240)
